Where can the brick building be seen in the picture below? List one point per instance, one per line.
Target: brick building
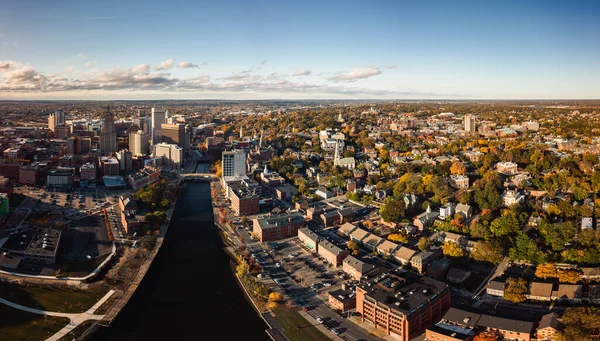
(276, 227)
(402, 304)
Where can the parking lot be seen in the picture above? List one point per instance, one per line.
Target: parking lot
(308, 269)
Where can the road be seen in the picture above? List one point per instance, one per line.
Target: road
(498, 271)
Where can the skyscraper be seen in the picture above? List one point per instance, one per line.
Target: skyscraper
(56, 118)
(108, 135)
(173, 133)
(470, 124)
(159, 116)
(138, 143)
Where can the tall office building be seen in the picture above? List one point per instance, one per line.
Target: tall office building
(56, 118)
(234, 163)
(470, 124)
(175, 134)
(139, 143)
(108, 135)
(159, 116)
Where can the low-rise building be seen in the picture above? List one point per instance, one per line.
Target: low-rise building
(568, 292)
(346, 229)
(341, 300)
(275, 227)
(358, 235)
(356, 268)
(496, 288)
(465, 210)
(372, 241)
(332, 254)
(509, 329)
(421, 260)
(512, 197)
(387, 248)
(309, 238)
(549, 325)
(459, 181)
(456, 325)
(507, 168)
(244, 202)
(404, 255)
(540, 291)
(402, 304)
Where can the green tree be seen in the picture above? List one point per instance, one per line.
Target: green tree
(526, 249)
(393, 210)
(504, 226)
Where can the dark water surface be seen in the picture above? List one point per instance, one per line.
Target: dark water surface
(190, 292)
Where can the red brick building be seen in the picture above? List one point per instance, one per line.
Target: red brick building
(402, 304)
(276, 227)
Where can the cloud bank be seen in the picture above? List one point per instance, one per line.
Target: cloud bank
(355, 74)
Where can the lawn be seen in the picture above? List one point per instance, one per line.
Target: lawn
(19, 325)
(61, 299)
(290, 320)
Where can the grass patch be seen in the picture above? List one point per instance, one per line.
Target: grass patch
(61, 299)
(20, 325)
(290, 320)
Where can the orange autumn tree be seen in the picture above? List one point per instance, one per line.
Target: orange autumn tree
(487, 336)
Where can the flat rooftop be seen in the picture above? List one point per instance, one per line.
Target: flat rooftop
(402, 291)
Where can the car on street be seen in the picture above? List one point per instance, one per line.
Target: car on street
(320, 320)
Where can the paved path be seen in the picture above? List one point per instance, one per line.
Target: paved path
(75, 319)
(498, 271)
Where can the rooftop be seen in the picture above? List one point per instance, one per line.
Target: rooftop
(402, 291)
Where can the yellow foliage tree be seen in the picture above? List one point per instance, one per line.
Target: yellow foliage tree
(458, 168)
(569, 276)
(398, 238)
(546, 271)
(451, 249)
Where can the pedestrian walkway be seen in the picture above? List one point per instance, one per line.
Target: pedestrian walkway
(75, 318)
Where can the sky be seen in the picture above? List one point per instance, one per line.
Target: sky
(299, 49)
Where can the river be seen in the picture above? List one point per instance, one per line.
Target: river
(189, 292)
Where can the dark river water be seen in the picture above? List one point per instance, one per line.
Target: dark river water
(190, 292)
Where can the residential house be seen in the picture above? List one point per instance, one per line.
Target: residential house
(447, 211)
(387, 248)
(404, 255)
(420, 261)
(496, 288)
(540, 291)
(371, 242)
(358, 235)
(512, 197)
(549, 325)
(346, 229)
(332, 254)
(425, 219)
(465, 210)
(569, 292)
(309, 238)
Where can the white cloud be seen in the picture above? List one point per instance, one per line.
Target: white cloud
(69, 69)
(355, 74)
(188, 65)
(6, 65)
(167, 64)
(17, 78)
(302, 72)
(390, 66)
(91, 64)
(142, 68)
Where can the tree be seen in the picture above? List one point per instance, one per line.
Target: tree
(155, 219)
(579, 324)
(353, 246)
(275, 297)
(393, 210)
(398, 237)
(526, 249)
(504, 226)
(423, 244)
(458, 168)
(516, 289)
(569, 276)
(451, 249)
(242, 267)
(488, 251)
(547, 270)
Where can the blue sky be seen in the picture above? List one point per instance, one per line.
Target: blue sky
(299, 49)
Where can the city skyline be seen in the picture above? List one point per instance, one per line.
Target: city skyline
(309, 50)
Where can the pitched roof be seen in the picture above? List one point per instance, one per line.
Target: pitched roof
(500, 323)
(404, 253)
(359, 234)
(540, 289)
(549, 321)
(387, 246)
(347, 228)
